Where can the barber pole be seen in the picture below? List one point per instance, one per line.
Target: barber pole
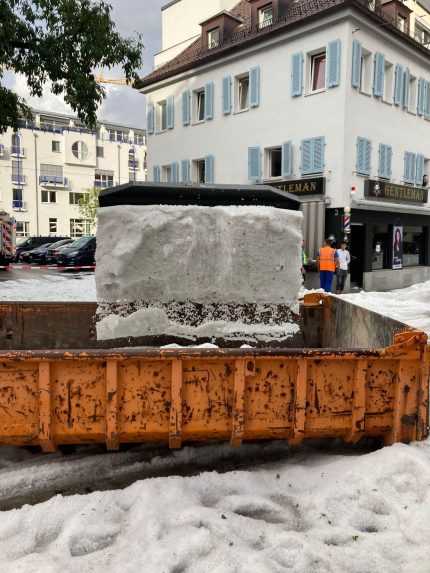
(347, 221)
(7, 237)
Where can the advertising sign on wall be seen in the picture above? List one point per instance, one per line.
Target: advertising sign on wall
(397, 247)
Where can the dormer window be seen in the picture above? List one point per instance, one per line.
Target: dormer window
(265, 16)
(214, 38)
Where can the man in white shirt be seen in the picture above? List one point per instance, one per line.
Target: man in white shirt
(343, 258)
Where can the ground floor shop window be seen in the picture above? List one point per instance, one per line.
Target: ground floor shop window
(381, 247)
(79, 228)
(413, 246)
(22, 229)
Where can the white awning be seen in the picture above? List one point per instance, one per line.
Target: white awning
(391, 207)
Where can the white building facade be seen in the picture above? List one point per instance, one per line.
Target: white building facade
(325, 99)
(48, 165)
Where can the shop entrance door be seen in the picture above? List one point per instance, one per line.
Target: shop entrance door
(357, 254)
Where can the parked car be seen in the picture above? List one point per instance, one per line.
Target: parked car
(80, 253)
(27, 256)
(31, 243)
(40, 255)
(54, 250)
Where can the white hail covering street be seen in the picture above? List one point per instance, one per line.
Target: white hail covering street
(312, 512)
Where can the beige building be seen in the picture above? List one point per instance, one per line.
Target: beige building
(50, 163)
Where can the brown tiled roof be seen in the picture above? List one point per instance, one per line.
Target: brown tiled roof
(299, 10)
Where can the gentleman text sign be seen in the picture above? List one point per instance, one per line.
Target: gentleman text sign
(392, 192)
(314, 186)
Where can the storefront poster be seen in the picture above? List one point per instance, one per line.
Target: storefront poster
(397, 247)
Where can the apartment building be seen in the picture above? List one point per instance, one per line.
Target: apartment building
(326, 99)
(48, 165)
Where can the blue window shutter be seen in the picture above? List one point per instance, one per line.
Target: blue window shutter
(175, 172)
(209, 100)
(382, 172)
(333, 57)
(426, 99)
(186, 108)
(150, 118)
(368, 157)
(157, 174)
(407, 167)
(356, 64)
(254, 164)
(185, 171)
(209, 169)
(363, 156)
(297, 74)
(254, 90)
(306, 150)
(226, 95)
(420, 97)
(318, 149)
(170, 112)
(378, 75)
(389, 158)
(398, 84)
(419, 173)
(287, 159)
(405, 98)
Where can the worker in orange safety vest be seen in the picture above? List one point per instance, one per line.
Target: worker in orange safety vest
(327, 263)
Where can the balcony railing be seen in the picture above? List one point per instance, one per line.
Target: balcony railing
(17, 151)
(103, 184)
(53, 180)
(19, 179)
(132, 164)
(19, 205)
(266, 23)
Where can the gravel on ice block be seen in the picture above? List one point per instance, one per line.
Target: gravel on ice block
(161, 267)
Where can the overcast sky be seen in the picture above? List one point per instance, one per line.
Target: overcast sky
(123, 104)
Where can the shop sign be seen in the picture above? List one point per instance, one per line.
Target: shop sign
(392, 192)
(314, 186)
(397, 247)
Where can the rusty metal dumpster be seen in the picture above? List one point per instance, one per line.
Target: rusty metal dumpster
(55, 397)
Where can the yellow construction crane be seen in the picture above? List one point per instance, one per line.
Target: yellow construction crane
(116, 82)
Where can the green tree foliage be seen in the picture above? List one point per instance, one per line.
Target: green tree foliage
(88, 205)
(61, 41)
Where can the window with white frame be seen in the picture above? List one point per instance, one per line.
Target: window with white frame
(274, 162)
(317, 71)
(162, 115)
(265, 16)
(75, 198)
(214, 38)
(17, 199)
(199, 105)
(139, 139)
(52, 173)
(422, 34)
(166, 174)
(366, 72)
(22, 229)
(49, 196)
(52, 226)
(199, 171)
(117, 135)
(103, 180)
(56, 147)
(401, 23)
(79, 228)
(388, 82)
(100, 151)
(242, 92)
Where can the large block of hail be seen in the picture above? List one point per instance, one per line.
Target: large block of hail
(158, 266)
